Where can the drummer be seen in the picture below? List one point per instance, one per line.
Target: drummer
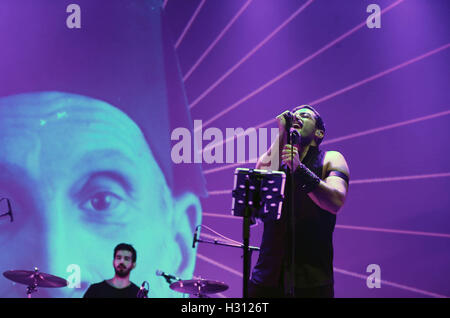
(120, 285)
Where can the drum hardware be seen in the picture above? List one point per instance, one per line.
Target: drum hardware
(199, 287)
(34, 279)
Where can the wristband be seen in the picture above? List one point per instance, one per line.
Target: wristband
(307, 179)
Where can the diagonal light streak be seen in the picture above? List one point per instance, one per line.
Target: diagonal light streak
(219, 143)
(369, 79)
(350, 136)
(337, 270)
(218, 38)
(227, 166)
(375, 130)
(416, 59)
(350, 227)
(222, 266)
(217, 192)
(394, 231)
(250, 54)
(392, 284)
(270, 121)
(164, 4)
(189, 24)
(220, 239)
(223, 216)
(294, 67)
(401, 178)
(371, 180)
(374, 77)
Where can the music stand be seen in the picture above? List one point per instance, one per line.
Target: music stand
(257, 195)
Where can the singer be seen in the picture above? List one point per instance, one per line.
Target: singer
(120, 285)
(296, 257)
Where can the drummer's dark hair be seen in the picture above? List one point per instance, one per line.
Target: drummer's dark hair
(126, 247)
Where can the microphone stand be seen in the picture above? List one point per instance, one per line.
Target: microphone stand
(291, 233)
(247, 252)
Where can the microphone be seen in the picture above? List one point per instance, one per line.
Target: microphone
(168, 277)
(195, 237)
(289, 117)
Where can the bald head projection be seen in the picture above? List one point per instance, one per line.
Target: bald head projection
(81, 178)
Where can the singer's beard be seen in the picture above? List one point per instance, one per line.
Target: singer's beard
(122, 273)
(305, 141)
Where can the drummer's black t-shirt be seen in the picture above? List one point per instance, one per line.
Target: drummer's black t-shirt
(105, 290)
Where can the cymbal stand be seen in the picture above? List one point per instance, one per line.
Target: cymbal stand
(32, 287)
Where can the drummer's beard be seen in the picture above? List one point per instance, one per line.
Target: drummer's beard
(122, 271)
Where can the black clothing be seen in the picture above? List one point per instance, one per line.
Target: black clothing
(105, 290)
(258, 291)
(313, 241)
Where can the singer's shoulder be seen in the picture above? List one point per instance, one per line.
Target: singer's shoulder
(334, 160)
(333, 155)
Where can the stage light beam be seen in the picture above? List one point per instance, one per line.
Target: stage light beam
(370, 131)
(372, 180)
(189, 24)
(219, 265)
(354, 135)
(378, 129)
(250, 54)
(350, 227)
(293, 68)
(337, 270)
(383, 73)
(216, 40)
(392, 284)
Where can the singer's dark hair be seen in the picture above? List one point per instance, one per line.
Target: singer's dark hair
(126, 247)
(319, 121)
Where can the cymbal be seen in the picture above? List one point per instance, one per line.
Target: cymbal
(198, 286)
(35, 277)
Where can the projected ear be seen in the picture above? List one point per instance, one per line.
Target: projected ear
(187, 216)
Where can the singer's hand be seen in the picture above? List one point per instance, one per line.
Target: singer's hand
(290, 155)
(282, 121)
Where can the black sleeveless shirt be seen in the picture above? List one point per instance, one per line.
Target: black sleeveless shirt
(313, 239)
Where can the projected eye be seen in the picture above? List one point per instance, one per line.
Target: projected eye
(102, 202)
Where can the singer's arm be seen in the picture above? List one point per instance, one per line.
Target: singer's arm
(331, 192)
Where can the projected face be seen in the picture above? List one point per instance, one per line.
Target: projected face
(81, 179)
